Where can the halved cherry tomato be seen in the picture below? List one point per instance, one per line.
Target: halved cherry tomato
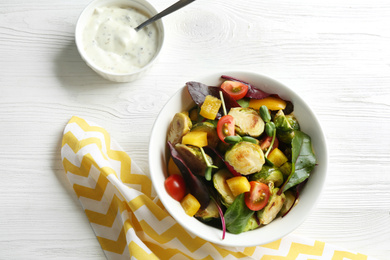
(225, 127)
(257, 197)
(235, 89)
(175, 186)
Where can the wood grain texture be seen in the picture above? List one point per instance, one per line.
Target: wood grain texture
(334, 53)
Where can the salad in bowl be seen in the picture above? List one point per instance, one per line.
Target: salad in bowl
(237, 158)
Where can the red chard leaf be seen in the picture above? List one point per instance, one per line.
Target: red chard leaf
(199, 91)
(253, 92)
(196, 187)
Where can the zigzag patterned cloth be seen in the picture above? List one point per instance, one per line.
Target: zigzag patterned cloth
(130, 222)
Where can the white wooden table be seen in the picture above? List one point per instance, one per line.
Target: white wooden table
(336, 54)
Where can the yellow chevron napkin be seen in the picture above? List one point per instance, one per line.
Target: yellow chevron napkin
(130, 222)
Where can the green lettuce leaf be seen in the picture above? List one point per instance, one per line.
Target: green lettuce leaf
(303, 160)
(237, 215)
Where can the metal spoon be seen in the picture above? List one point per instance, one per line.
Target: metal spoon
(176, 6)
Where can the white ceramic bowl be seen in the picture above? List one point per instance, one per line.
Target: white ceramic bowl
(158, 154)
(141, 5)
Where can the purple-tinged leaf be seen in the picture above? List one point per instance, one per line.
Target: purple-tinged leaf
(298, 189)
(198, 92)
(256, 93)
(253, 92)
(196, 187)
(234, 79)
(222, 218)
(257, 219)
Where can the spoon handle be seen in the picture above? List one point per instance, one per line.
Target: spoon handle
(176, 6)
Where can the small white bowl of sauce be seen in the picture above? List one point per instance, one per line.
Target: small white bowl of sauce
(107, 42)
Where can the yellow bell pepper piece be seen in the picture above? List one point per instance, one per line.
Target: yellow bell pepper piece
(190, 205)
(210, 107)
(277, 157)
(172, 167)
(238, 185)
(198, 139)
(273, 103)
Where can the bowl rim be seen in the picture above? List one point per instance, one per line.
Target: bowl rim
(147, 7)
(250, 238)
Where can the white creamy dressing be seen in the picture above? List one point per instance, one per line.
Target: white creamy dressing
(113, 45)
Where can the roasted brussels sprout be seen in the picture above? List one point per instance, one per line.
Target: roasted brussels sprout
(210, 129)
(275, 203)
(252, 224)
(245, 157)
(288, 203)
(247, 121)
(219, 181)
(281, 121)
(208, 213)
(193, 158)
(285, 126)
(269, 174)
(180, 125)
(293, 122)
(285, 136)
